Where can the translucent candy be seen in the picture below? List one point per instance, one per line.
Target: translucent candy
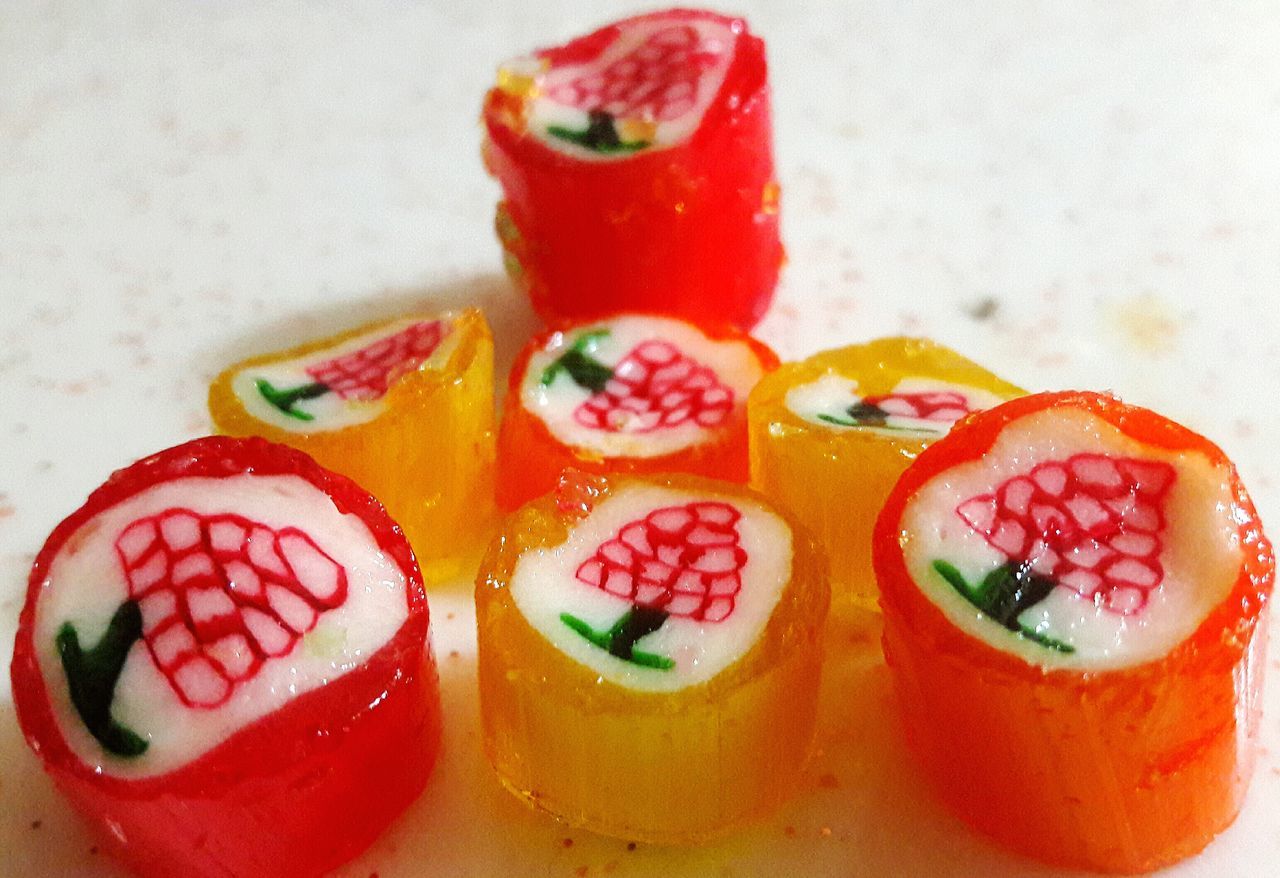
(1112, 769)
(670, 398)
(418, 434)
(624, 752)
(834, 476)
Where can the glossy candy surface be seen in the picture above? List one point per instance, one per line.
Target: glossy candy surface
(637, 169)
(1119, 754)
(295, 792)
(405, 408)
(830, 435)
(628, 393)
(649, 655)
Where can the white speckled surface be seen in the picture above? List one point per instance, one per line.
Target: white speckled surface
(1077, 194)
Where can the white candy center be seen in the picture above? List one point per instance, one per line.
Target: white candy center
(547, 588)
(656, 81)
(89, 580)
(697, 405)
(1200, 558)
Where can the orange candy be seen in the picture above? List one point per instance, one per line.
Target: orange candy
(407, 412)
(708, 722)
(598, 433)
(1116, 768)
(835, 473)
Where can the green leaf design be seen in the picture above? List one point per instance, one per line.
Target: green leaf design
(1004, 595)
(92, 676)
(600, 135)
(585, 371)
(285, 400)
(620, 639)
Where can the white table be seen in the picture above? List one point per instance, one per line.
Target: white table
(1076, 194)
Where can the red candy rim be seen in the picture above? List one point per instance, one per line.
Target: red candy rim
(1223, 633)
(211, 457)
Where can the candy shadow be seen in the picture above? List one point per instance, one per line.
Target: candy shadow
(506, 309)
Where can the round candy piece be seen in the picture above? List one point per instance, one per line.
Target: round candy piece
(1072, 590)
(637, 169)
(222, 663)
(625, 625)
(632, 393)
(832, 433)
(404, 407)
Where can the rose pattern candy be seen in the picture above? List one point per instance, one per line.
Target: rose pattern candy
(367, 373)
(655, 386)
(363, 375)
(946, 406)
(941, 407)
(1091, 523)
(219, 595)
(676, 561)
(213, 597)
(658, 81)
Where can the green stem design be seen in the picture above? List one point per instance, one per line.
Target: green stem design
(832, 419)
(866, 414)
(1004, 595)
(586, 371)
(285, 400)
(620, 639)
(600, 135)
(92, 676)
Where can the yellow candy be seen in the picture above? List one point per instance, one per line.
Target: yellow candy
(668, 714)
(830, 435)
(403, 407)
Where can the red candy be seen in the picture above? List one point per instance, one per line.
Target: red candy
(221, 594)
(1091, 523)
(657, 386)
(605, 219)
(299, 791)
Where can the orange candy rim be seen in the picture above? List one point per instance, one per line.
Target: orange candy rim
(1218, 642)
(516, 417)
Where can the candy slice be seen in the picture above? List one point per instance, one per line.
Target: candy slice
(637, 167)
(222, 663)
(831, 434)
(403, 407)
(1072, 590)
(634, 393)
(649, 655)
